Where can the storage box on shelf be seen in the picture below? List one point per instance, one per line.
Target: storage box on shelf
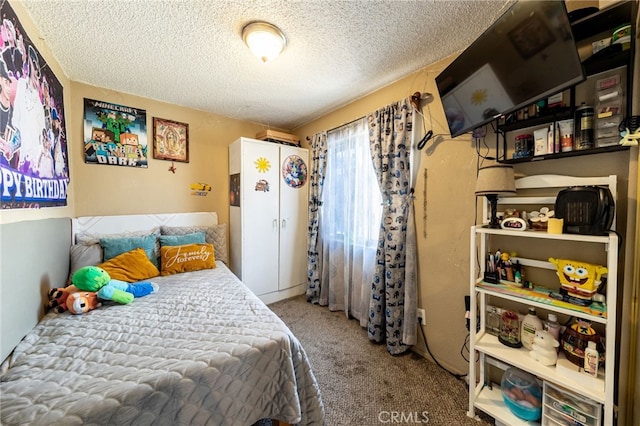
(599, 391)
(561, 407)
(600, 63)
(610, 101)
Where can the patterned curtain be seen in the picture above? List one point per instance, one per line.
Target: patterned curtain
(316, 180)
(393, 316)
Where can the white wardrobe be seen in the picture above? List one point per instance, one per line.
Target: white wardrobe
(268, 217)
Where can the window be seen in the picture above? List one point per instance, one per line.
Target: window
(351, 195)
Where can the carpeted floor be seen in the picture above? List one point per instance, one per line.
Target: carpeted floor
(362, 384)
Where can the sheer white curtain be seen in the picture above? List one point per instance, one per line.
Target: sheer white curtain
(350, 221)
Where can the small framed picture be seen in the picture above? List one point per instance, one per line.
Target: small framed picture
(170, 140)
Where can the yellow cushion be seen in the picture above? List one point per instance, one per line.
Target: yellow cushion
(130, 266)
(185, 258)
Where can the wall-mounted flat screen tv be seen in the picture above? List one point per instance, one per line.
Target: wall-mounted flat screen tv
(526, 55)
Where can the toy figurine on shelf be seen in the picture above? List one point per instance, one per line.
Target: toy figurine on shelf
(579, 280)
(506, 271)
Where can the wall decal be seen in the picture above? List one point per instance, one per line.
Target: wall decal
(234, 190)
(294, 171)
(262, 185)
(34, 164)
(114, 134)
(200, 189)
(262, 164)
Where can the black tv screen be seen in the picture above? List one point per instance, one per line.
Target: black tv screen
(526, 55)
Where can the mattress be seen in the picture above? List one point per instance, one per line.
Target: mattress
(203, 350)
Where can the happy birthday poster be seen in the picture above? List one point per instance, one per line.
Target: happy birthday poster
(34, 162)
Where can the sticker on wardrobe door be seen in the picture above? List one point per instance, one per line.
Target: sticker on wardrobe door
(262, 165)
(294, 171)
(234, 190)
(262, 185)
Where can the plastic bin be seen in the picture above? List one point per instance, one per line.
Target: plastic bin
(522, 394)
(562, 407)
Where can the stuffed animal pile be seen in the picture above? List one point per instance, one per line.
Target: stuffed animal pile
(92, 284)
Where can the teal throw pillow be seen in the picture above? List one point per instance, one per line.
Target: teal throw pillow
(112, 247)
(180, 240)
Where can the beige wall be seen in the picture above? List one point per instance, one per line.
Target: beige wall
(106, 190)
(443, 237)
(444, 231)
(109, 190)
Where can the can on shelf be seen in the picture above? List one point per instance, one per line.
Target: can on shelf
(583, 128)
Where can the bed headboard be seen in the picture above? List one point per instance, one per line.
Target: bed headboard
(128, 223)
(35, 258)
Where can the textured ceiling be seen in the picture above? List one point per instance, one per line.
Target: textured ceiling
(191, 53)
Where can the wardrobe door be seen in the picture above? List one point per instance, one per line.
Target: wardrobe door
(260, 219)
(294, 218)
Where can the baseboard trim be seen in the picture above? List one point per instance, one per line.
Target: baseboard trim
(424, 354)
(277, 296)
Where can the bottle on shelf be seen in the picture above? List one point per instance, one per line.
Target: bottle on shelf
(530, 324)
(552, 326)
(591, 359)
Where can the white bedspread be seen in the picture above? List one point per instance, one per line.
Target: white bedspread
(203, 350)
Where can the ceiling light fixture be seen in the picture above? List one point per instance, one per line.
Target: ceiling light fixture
(266, 41)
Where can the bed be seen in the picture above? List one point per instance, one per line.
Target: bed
(202, 350)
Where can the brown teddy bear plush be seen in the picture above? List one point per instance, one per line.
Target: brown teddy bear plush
(82, 301)
(58, 298)
(72, 299)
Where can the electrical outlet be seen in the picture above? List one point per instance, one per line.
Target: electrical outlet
(422, 316)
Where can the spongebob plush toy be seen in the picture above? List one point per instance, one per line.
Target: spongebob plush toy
(95, 279)
(579, 279)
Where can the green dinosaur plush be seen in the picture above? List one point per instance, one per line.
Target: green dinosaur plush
(93, 278)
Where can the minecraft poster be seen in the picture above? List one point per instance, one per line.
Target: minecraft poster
(34, 165)
(115, 135)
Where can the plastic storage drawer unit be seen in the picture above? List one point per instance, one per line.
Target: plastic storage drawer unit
(561, 407)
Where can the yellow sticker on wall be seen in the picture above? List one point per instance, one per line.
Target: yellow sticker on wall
(200, 189)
